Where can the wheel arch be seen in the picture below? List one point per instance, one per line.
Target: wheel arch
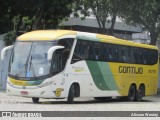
(134, 84)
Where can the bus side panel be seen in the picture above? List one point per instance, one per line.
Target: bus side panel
(112, 79)
(127, 74)
(94, 79)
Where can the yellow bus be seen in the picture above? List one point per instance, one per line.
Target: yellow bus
(60, 64)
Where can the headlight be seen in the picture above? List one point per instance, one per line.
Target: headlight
(46, 84)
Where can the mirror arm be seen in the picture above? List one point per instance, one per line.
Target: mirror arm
(51, 50)
(4, 51)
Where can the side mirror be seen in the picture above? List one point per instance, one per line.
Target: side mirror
(3, 52)
(51, 51)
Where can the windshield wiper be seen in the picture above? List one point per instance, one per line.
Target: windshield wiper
(21, 70)
(31, 66)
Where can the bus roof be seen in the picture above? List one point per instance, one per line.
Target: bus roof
(44, 35)
(50, 35)
(114, 40)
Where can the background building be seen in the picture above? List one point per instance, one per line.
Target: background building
(121, 30)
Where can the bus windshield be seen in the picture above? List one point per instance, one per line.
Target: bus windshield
(29, 59)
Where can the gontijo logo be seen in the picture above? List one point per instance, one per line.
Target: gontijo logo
(130, 70)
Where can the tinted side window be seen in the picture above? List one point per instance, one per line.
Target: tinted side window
(84, 50)
(67, 42)
(106, 52)
(91, 51)
(98, 52)
(153, 57)
(115, 53)
(145, 57)
(81, 51)
(128, 54)
(122, 54)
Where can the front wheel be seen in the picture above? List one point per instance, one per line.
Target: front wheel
(71, 95)
(35, 100)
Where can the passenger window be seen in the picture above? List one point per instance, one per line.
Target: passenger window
(105, 52)
(85, 50)
(140, 56)
(67, 42)
(98, 51)
(110, 55)
(123, 54)
(146, 57)
(153, 56)
(128, 54)
(81, 51)
(91, 51)
(114, 53)
(135, 55)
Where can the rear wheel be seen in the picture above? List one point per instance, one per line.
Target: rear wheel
(140, 93)
(132, 93)
(71, 94)
(138, 96)
(35, 100)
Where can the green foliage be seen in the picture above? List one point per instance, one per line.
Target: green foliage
(102, 10)
(9, 38)
(144, 13)
(27, 15)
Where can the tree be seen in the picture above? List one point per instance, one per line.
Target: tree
(40, 14)
(4, 17)
(20, 9)
(102, 10)
(49, 13)
(143, 13)
(114, 8)
(14, 10)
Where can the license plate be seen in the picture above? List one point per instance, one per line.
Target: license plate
(24, 93)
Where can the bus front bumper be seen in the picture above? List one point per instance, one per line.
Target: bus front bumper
(49, 91)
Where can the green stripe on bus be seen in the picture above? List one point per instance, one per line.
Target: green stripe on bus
(107, 75)
(97, 75)
(102, 75)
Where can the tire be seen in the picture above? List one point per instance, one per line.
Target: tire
(132, 93)
(71, 95)
(102, 98)
(35, 100)
(139, 94)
